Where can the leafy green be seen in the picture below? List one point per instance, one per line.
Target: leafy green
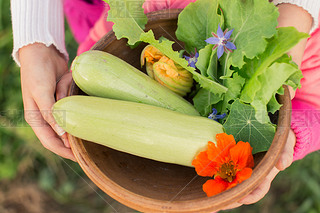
(128, 18)
(234, 85)
(293, 80)
(166, 48)
(196, 23)
(242, 124)
(204, 58)
(282, 42)
(270, 85)
(253, 21)
(273, 104)
(204, 100)
(212, 70)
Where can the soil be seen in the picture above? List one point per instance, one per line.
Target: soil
(26, 198)
(19, 197)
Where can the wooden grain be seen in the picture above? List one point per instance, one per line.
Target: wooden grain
(151, 186)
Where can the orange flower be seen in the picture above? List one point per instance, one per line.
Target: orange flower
(228, 162)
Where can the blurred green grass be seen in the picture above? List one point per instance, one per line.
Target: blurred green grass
(23, 160)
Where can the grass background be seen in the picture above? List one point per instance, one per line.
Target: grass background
(32, 179)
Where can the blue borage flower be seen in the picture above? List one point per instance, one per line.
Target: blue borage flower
(192, 60)
(214, 115)
(221, 40)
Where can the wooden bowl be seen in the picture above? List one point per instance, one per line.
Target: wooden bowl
(150, 186)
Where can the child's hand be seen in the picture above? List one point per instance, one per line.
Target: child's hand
(284, 161)
(44, 74)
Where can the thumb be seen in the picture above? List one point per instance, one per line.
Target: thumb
(286, 156)
(63, 86)
(291, 92)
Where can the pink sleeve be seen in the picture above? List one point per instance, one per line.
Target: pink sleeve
(306, 104)
(82, 16)
(154, 5)
(305, 123)
(102, 26)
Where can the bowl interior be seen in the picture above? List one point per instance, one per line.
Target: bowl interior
(149, 185)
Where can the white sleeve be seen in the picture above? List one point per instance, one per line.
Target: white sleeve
(37, 21)
(311, 6)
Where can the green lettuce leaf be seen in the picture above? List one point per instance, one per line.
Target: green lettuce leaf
(282, 42)
(204, 100)
(269, 87)
(242, 124)
(234, 85)
(196, 23)
(128, 18)
(253, 21)
(273, 105)
(204, 58)
(166, 48)
(293, 81)
(212, 70)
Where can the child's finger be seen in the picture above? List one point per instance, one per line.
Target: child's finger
(233, 205)
(286, 156)
(44, 131)
(261, 190)
(291, 92)
(63, 86)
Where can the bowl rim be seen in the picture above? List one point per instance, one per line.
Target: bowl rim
(213, 203)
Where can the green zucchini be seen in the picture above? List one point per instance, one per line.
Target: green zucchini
(139, 129)
(101, 74)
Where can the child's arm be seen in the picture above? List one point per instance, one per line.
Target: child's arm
(288, 17)
(38, 32)
(303, 23)
(37, 21)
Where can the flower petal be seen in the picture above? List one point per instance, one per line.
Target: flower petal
(241, 176)
(213, 187)
(214, 111)
(228, 34)
(220, 51)
(241, 155)
(225, 141)
(230, 45)
(220, 152)
(212, 40)
(192, 64)
(215, 153)
(212, 116)
(244, 174)
(220, 32)
(221, 116)
(204, 167)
